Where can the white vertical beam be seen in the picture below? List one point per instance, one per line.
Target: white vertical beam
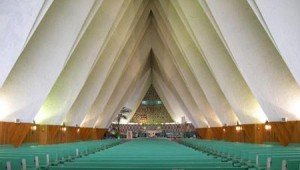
(257, 59)
(135, 37)
(173, 105)
(125, 85)
(170, 73)
(282, 22)
(42, 60)
(17, 19)
(76, 71)
(121, 100)
(228, 77)
(135, 99)
(197, 77)
(108, 56)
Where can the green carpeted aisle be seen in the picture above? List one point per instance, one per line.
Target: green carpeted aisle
(147, 154)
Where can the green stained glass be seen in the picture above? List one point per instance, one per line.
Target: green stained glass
(151, 102)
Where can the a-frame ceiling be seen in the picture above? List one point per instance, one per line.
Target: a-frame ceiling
(151, 110)
(215, 62)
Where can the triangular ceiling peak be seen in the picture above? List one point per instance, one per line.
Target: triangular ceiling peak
(151, 95)
(115, 50)
(151, 110)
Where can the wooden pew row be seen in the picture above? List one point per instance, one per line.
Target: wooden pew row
(291, 164)
(144, 168)
(143, 155)
(95, 159)
(36, 157)
(252, 155)
(281, 162)
(152, 164)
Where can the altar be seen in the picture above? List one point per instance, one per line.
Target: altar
(152, 133)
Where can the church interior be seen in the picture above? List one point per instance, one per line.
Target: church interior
(149, 84)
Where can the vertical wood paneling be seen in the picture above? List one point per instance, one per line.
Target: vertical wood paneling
(296, 133)
(33, 135)
(217, 133)
(100, 133)
(281, 132)
(14, 133)
(91, 133)
(2, 135)
(54, 134)
(18, 133)
(85, 133)
(249, 133)
(259, 133)
(285, 131)
(43, 134)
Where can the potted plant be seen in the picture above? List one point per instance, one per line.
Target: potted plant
(121, 115)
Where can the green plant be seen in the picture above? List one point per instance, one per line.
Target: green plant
(122, 115)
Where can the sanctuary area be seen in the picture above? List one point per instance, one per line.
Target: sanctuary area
(149, 84)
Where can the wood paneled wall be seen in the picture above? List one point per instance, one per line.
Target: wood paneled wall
(281, 132)
(18, 133)
(13, 133)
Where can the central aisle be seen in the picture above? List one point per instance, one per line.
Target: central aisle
(156, 154)
(152, 149)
